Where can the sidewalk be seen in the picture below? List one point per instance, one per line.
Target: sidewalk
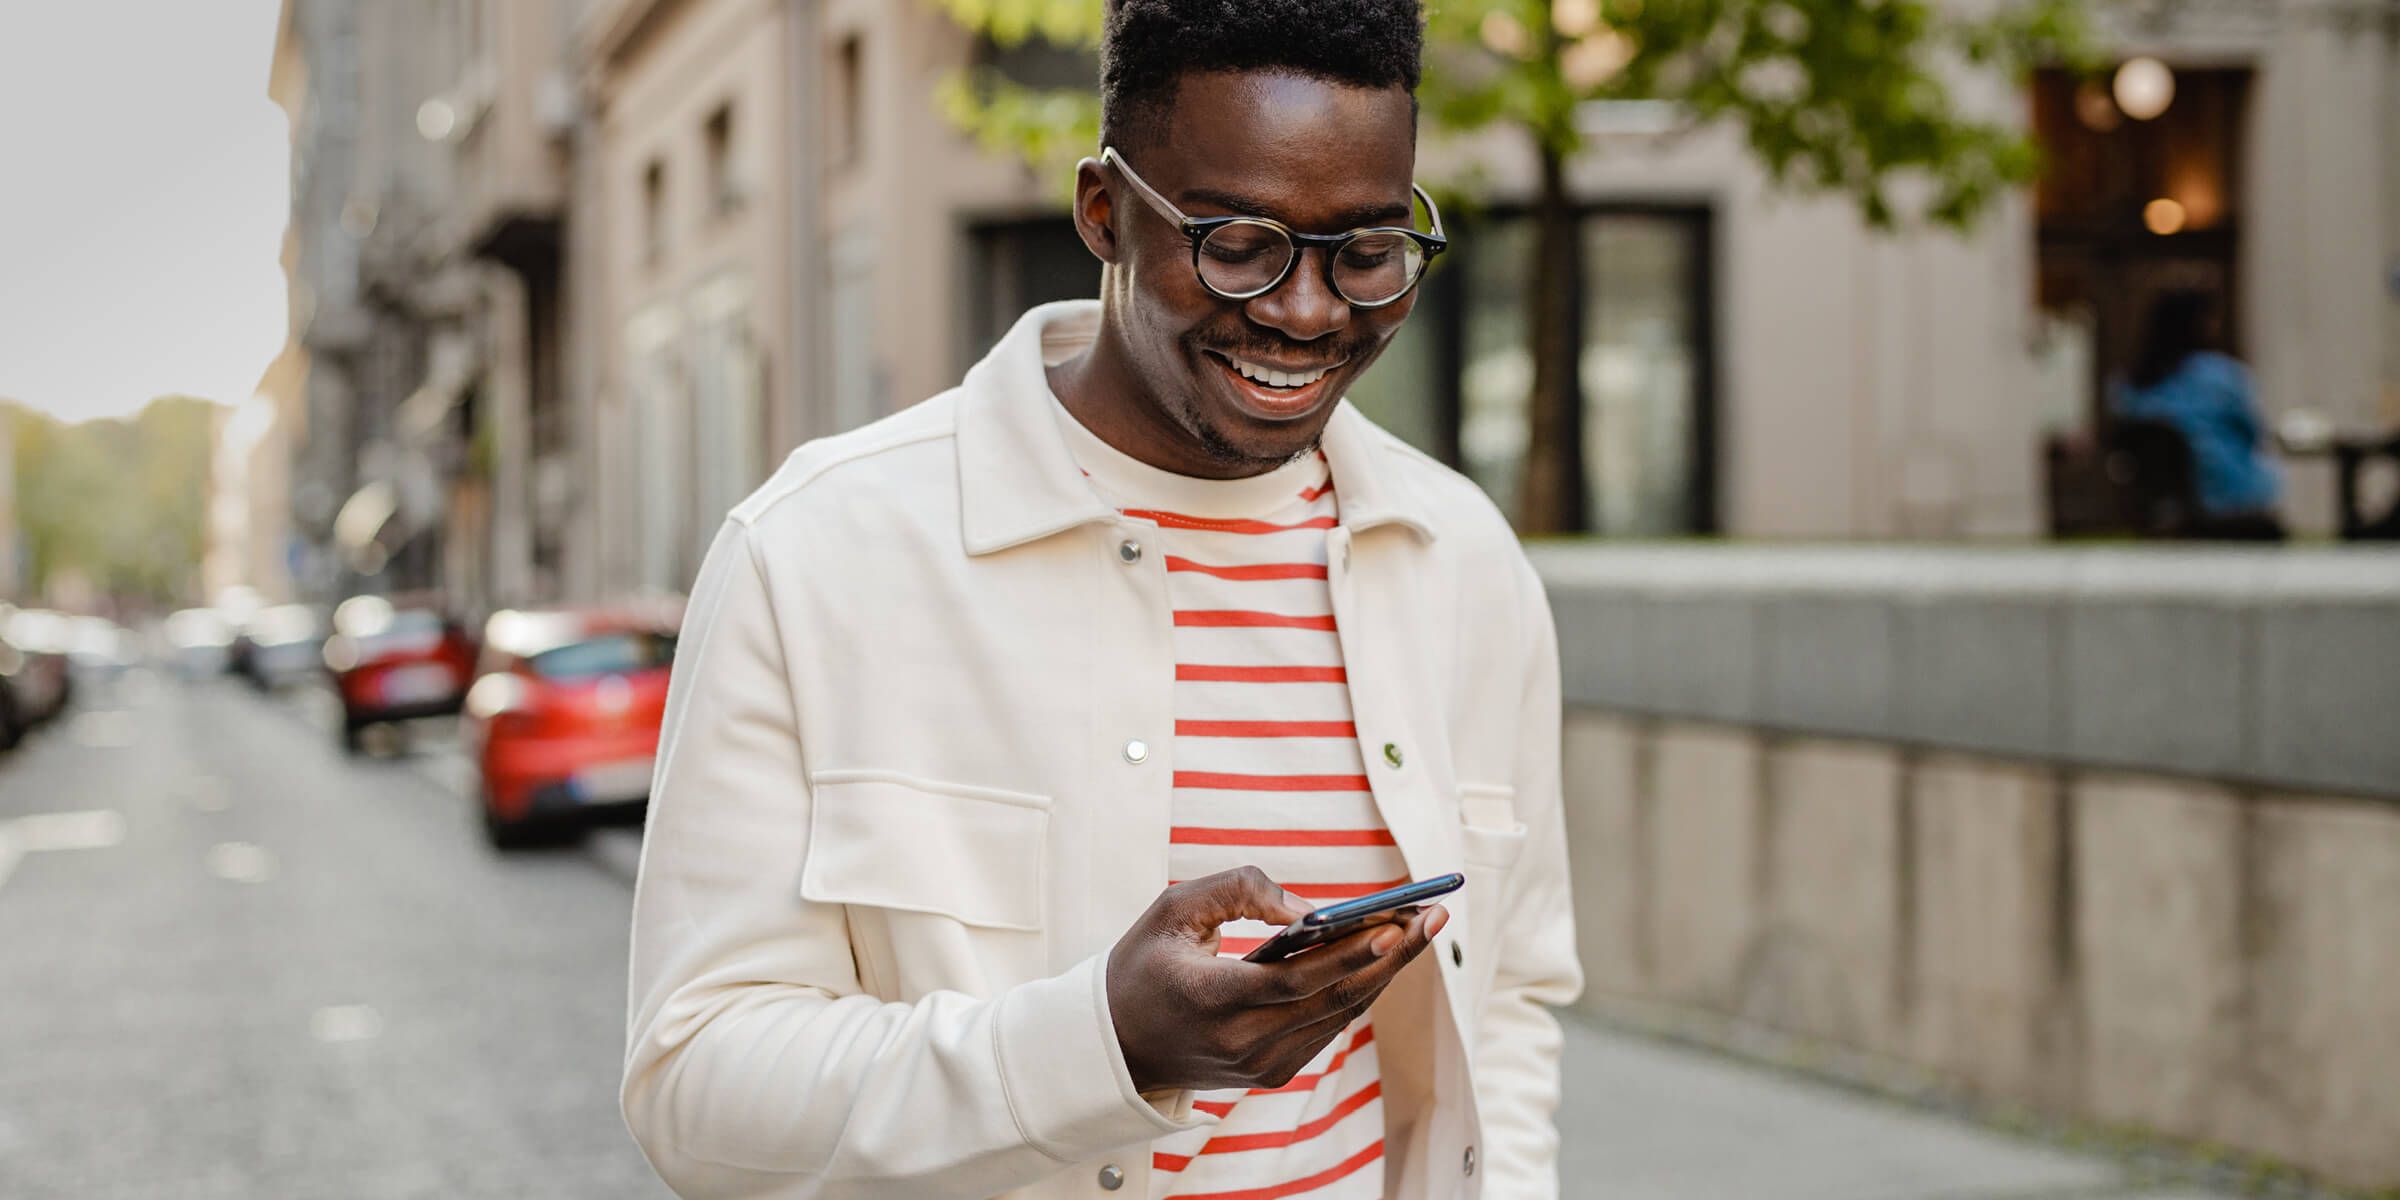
(1645, 1119)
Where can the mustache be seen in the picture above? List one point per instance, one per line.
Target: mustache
(1279, 350)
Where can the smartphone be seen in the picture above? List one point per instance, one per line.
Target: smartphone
(1332, 921)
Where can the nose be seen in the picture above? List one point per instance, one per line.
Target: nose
(1306, 307)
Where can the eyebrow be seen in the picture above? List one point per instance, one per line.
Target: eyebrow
(1349, 218)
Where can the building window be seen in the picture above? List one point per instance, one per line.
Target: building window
(654, 210)
(848, 107)
(1015, 265)
(1458, 380)
(725, 185)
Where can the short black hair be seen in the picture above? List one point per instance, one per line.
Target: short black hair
(1150, 44)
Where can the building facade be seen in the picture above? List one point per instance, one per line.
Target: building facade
(574, 275)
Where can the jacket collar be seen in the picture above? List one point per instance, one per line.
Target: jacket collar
(1017, 481)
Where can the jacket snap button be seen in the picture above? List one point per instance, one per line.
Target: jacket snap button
(1458, 958)
(1130, 551)
(1470, 1163)
(1111, 1178)
(1391, 753)
(1137, 750)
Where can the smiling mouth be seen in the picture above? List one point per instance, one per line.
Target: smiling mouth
(1271, 377)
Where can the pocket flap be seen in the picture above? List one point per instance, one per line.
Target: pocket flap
(885, 840)
(1487, 806)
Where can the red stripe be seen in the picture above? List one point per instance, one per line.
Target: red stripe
(1256, 571)
(1192, 835)
(1267, 729)
(1340, 891)
(1238, 1142)
(1319, 490)
(1238, 946)
(1224, 781)
(1302, 1184)
(1234, 618)
(1173, 520)
(1203, 673)
(1235, 1143)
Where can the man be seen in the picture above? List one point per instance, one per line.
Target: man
(1001, 727)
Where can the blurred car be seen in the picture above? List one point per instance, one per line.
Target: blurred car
(395, 660)
(562, 721)
(199, 642)
(98, 650)
(280, 646)
(33, 657)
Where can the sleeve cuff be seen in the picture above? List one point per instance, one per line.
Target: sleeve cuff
(1065, 1075)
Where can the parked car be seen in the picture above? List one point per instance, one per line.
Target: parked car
(199, 642)
(395, 660)
(562, 721)
(33, 656)
(280, 646)
(98, 650)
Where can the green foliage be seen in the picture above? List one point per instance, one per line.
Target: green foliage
(120, 503)
(1854, 97)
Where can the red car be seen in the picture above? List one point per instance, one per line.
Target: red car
(395, 661)
(563, 718)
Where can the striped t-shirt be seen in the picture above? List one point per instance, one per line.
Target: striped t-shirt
(1268, 773)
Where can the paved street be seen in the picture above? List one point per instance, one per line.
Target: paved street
(240, 964)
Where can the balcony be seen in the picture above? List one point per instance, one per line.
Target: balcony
(508, 118)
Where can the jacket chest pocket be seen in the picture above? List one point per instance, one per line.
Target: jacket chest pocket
(885, 840)
(1490, 835)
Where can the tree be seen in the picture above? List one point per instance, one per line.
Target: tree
(1852, 97)
(117, 503)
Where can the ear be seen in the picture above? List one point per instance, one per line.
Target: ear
(1095, 211)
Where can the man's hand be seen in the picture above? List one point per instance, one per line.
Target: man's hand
(1186, 1018)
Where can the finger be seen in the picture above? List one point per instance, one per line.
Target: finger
(1312, 971)
(1201, 905)
(1387, 950)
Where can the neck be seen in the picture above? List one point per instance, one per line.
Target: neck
(1102, 392)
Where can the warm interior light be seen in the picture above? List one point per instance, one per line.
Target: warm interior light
(2163, 216)
(2144, 88)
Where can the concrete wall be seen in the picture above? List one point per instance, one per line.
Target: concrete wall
(2205, 962)
(2110, 834)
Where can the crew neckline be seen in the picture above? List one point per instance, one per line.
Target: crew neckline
(1120, 477)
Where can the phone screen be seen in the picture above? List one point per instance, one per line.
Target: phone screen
(1334, 920)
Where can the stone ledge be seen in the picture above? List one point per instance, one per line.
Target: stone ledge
(2279, 668)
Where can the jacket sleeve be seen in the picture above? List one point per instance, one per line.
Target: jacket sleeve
(1518, 1042)
(755, 1063)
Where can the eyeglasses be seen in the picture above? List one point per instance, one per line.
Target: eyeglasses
(1243, 258)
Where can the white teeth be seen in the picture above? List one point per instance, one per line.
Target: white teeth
(1274, 378)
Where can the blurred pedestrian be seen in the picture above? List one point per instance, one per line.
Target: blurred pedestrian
(1002, 726)
(2181, 379)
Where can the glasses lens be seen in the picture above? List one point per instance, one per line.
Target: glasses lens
(1375, 267)
(1244, 257)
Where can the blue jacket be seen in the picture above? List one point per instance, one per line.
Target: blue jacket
(2209, 399)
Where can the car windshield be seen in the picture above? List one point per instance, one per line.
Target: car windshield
(608, 654)
(406, 628)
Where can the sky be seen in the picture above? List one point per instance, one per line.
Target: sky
(143, 194)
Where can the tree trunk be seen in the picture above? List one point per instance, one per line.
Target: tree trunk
(1551, 499)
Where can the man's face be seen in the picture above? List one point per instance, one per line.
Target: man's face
(1319, 157)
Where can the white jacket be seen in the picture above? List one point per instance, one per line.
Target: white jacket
(894, 832)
